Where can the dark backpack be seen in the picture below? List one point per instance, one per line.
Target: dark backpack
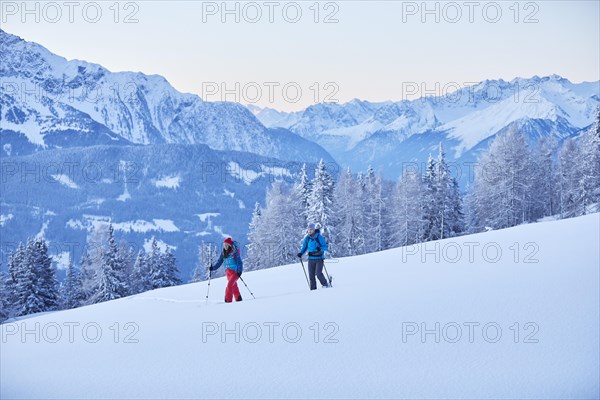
(316, 238)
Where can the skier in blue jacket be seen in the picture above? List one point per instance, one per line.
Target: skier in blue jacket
(231, 258)
(316, 246)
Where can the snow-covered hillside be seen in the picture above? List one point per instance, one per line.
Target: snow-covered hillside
(503, 314)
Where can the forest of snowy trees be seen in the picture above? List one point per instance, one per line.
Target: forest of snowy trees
(358, 214)
(113, 272)
(515, 182)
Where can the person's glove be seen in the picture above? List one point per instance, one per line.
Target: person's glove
(299, 255)
(239, 274)
(211, 268)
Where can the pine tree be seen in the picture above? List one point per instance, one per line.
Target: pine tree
(127, 257)
(299, 208)
(387, 213)
(48, 288)
(253, 260)
(162, 267)
(121, 266)
(590, 167)
(92, 263)
(140, 277)
(110, 275)
(154, 266)
(345, 216)
(368, 212)
(359, 217)
(544, 179)
(320, 203)
(73, 296)
(4, 304)
(444, 195)
(15, 273)
(569, 180)
(28, 295)
(431, 214)
(171, 272)
(284, 234)
(33, 286)
(408, 209)
(473, 224)
(109, 285)
(448, 198)
(456, 216)
(89, 278)
(503, 181)
(373, 208)
(442, 207)
(116, 259)
(303, 190)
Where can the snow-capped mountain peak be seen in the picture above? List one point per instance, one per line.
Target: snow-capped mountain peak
(80, 103)
(363, 133)
(477, 126)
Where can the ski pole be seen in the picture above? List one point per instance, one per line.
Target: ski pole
(303, 269)
(247, 287)
(208, 289)
(327, 273)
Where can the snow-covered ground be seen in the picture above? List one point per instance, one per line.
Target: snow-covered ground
(509, 314)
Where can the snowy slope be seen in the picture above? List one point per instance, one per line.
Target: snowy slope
(365, 351)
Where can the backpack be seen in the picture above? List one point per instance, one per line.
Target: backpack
(317, 239)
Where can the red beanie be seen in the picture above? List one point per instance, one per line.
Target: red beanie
(229, 241)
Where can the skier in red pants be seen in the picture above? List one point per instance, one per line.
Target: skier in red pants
(233, 268)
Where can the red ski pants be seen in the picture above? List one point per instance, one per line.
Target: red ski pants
(232, 289)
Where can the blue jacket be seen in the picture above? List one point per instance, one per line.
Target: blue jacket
(311, 243)
(233, 261)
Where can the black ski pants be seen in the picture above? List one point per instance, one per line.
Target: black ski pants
(315, 267)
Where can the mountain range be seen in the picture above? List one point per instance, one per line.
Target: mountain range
(49, 102)
(388, 134)
(72, 133)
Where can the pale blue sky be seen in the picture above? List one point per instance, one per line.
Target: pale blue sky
(375, 49)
